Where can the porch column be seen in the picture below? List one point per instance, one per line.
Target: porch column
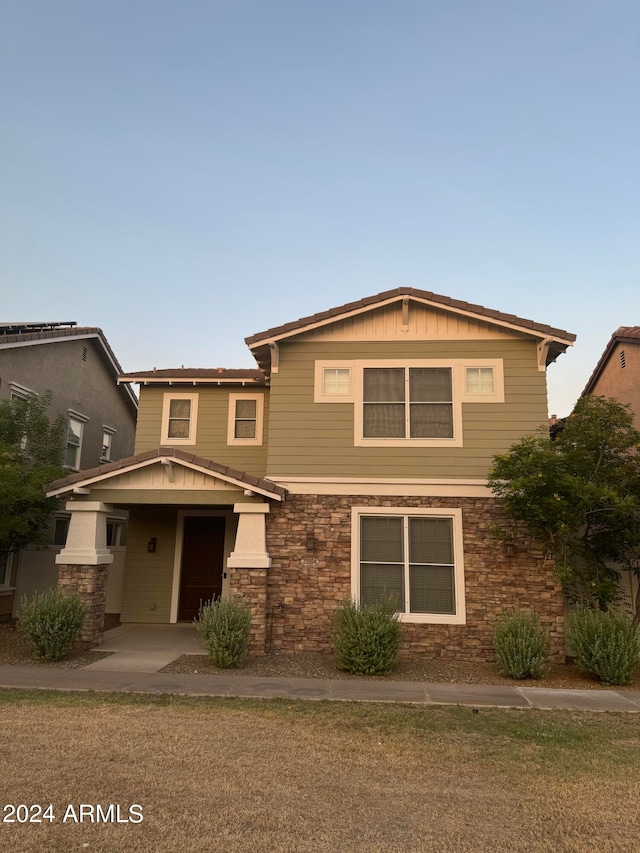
(247, 566)
(83, 565)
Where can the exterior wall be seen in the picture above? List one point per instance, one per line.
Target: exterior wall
(87, 386)
(211, 436)
(622, 383)
(148, 578)
(303, 589)
(307, 438)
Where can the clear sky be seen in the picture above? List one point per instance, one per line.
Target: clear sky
(184, 174)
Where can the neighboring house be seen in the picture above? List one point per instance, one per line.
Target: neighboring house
(617, 375)
(78, 366)
(353, 462)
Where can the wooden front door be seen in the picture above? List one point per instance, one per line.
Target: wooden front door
(202, 563)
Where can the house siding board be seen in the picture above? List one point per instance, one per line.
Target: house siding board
(211, 436)
(307, 438)
(310, 585)
(148, 577)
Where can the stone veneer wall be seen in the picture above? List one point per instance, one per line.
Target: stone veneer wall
(251, 585)
(91, 584)
(304, 586)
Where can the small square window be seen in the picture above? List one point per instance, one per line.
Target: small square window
(480, 380)
(336, 381)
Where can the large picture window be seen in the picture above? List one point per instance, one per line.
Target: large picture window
(413, 556)
(407, 402)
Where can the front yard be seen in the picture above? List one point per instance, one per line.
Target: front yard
(233, 776)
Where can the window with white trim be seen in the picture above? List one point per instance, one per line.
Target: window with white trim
(107, 441)
(75, 433)
(413, 556)
(480, 381)
(6, 562)
(407, 402)
(333, 382)
(179, 418)
(246, 416)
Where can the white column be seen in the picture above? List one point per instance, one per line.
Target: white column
(87, 536)
(250, 550)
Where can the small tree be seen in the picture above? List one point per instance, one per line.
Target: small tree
(579, 496)
(31, 453)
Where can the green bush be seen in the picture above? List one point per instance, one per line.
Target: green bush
(225, 626)
(367, 637)
(606, 644)
(521, 644)
(51, 621)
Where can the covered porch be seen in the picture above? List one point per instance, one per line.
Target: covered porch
(196, 532)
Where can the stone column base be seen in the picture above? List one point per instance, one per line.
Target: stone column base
(251, 585)
(90, 582)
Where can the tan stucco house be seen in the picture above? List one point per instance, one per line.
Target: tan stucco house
(352, 462)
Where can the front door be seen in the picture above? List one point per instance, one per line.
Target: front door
(202, 562)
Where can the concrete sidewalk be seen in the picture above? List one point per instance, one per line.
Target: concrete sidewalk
(346, 690)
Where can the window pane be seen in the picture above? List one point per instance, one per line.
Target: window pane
(381, 539)
(178, 429)
(480, 380)
(60, 532)
(431, 589)
(245, 429)
(71, 456)
(180, 408)
(430, 384)
(431, 540)
(378, 581)
(75, 432)
(383, 421)
(431, 420)
(336, 380)
(383, 384)
(246, 408)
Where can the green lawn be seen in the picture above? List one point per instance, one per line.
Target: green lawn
(234, 775)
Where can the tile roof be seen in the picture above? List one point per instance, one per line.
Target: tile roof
(445, 301)
(195, 374)
(623, 335)
(250, 480)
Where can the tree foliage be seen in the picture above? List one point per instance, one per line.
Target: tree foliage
(31, 453)
(579, 496)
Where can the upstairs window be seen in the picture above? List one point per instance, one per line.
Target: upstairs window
(245, 419)
(107, 440)
(179, 418)
(407, 402)
(75, 433)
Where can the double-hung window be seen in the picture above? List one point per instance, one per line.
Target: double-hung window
(407, 402)
(246, 416)
(75, 431)
(179, 418)
(413, 557)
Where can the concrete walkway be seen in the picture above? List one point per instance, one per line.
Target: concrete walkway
(347, 690)
(146, 648)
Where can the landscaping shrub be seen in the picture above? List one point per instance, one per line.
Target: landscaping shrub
(521, 644)
(606, 644)
(51, 621)
(367, 637)
(225, 626)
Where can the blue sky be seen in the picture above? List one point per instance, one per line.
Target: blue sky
(186, 174)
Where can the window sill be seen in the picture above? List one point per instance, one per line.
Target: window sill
(7, 590)
(432, 619)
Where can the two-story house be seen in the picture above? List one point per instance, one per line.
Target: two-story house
(352, 462)
(77, 365)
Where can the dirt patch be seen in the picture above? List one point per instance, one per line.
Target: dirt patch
(16, 651)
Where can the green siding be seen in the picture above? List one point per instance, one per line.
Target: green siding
(213, 412)
(317, 439)
(148, 578)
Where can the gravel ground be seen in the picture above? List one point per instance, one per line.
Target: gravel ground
(15, 650)
(319, 665)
